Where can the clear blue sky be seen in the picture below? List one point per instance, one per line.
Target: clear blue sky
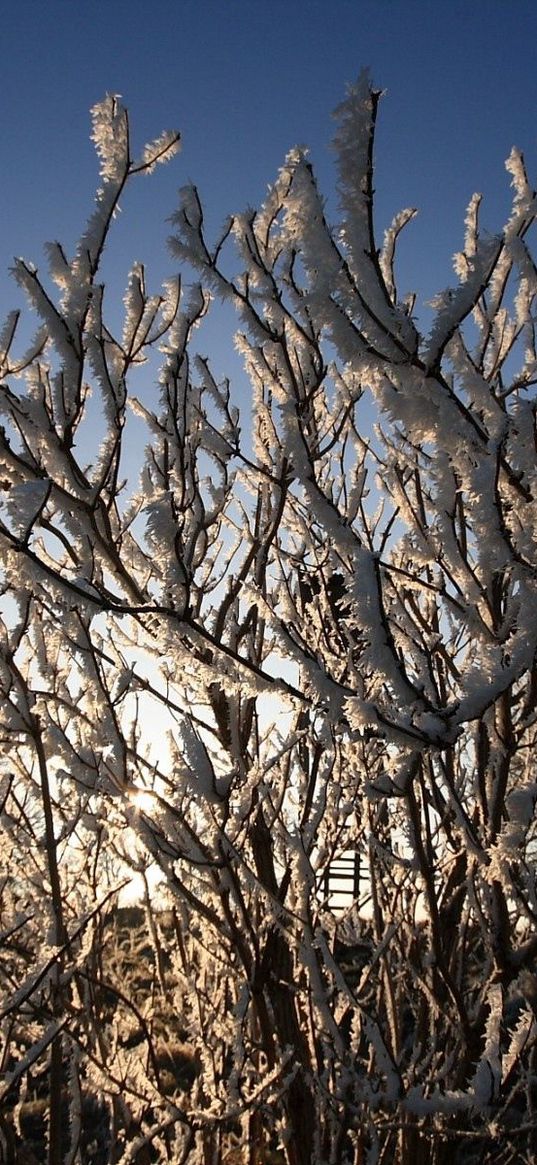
(245, 80)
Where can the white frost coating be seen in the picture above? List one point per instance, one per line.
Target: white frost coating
(387, 254)
(524, 195)
(453, 305)
(201, 772)
(31, 1057)
(418, 1104)
(383, 322)
(521, 804)
(110, 136)
(488, 1075)
(162, 149)
(524, 1031)
(25, 502)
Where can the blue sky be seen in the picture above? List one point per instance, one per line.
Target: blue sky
(245, 80)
